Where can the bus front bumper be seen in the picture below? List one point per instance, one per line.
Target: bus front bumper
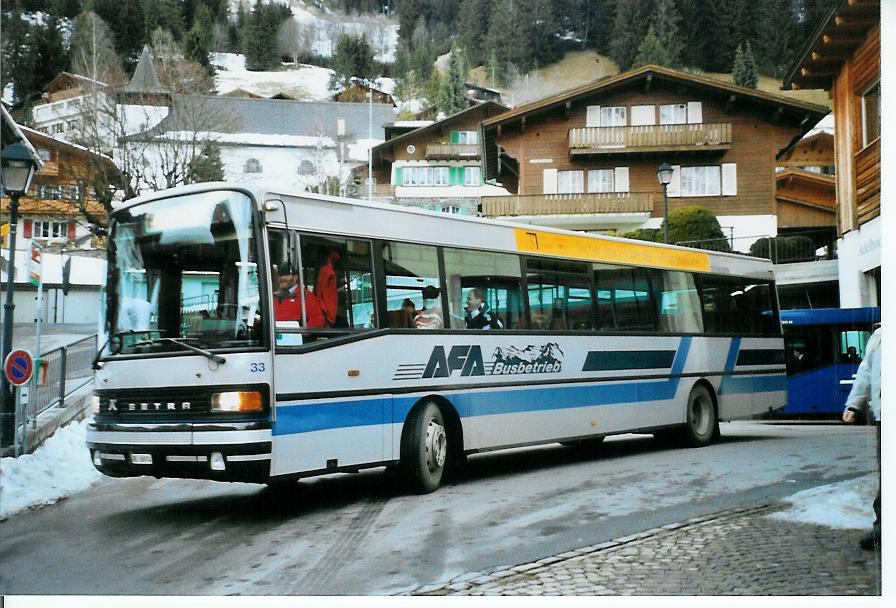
(223, 452)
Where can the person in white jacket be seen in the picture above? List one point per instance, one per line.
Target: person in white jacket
(865, 398)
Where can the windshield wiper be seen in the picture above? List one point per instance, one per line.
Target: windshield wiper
(205, 353)
(117, 334)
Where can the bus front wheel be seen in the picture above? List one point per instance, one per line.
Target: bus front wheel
(425, 449)
(702, 424)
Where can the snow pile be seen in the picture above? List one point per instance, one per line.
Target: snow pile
(844, 505)
(307, 82)
(57, 469)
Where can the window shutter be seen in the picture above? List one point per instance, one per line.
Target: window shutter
(729, 179)
(456, 176)
(26, 229)
(550, 181)
(674, 188)
(397, 181)
(643, 115)
(592, 117)
(695, 112)
(620, 179)
(453, 137)
(70, 231)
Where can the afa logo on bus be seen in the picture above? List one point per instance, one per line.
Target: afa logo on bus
(468, 360)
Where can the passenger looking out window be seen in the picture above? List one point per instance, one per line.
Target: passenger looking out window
(479, 316)
(430, 316)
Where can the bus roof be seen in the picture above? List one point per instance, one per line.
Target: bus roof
(830, 316)
(345, 216)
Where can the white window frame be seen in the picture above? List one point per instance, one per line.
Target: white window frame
(570, 182)
(699, 181)
(468, 137)
(472, 176)
(613, 116)
(440, 176)
(49, 229)
(673, 114)
(865, 138)
(600, 181)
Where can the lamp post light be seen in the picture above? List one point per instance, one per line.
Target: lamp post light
(664, 174)
(17, 167)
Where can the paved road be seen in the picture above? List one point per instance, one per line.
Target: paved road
(358, 534)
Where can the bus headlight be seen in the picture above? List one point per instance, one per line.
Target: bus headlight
(237, 401)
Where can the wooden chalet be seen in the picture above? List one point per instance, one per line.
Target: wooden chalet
(843, 57)
(587, 158)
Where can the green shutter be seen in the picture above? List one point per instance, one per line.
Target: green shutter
(398, 181)
(454, 137)
(456, 176)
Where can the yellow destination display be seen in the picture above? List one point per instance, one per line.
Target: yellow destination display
(600, 250)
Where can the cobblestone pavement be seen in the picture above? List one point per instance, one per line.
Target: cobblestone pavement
(738, 552)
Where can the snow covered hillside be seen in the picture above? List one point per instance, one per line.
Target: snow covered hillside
(307, 82)
(323, 26)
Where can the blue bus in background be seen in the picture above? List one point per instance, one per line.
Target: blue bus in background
(823, 347)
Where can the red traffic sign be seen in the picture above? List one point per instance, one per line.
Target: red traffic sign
(18, 367)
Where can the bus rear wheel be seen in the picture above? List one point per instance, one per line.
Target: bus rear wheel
(424, 449)
(702, 424)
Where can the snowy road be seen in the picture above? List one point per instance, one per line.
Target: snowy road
(358, 534)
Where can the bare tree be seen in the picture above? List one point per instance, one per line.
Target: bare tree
(154, 139)
(288, 40)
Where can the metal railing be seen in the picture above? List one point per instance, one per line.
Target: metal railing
(809, 246)
(68, 369)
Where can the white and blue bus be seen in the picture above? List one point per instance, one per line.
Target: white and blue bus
(588, 336)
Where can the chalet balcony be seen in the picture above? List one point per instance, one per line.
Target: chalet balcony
(567, 204)
(655, 138)
(452, 152)
(867, 167)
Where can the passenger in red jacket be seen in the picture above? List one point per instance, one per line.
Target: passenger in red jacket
(327, 288)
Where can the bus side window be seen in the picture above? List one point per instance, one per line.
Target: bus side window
(496, 276)
(852, 346)
(559, 295)
(623, 299)
(409, 270)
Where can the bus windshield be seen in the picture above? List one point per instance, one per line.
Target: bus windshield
(184, 270)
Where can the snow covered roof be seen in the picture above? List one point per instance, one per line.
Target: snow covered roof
(277, 117)
(12, 133)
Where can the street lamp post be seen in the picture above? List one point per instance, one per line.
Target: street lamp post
(664, 174)
(17, 168)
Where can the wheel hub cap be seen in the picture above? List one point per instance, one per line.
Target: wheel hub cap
(436, 445)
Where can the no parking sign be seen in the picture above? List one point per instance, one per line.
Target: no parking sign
(18, 367)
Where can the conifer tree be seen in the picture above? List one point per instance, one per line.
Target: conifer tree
(665, 23)
(451, 90)
(629, 29)
(744, 72)
(198, 41)
(472, 26)
(651, 51)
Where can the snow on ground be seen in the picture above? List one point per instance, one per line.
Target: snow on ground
(62, 467)
(307, 82)
(59, 468)
(842, 505)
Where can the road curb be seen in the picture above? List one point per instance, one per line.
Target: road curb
(490, 577)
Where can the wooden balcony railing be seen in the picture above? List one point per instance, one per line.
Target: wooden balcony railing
(867, 164)
(656, 138)
(451, 151)
(567, 204)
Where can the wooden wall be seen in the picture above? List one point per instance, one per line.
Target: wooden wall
(756, 138)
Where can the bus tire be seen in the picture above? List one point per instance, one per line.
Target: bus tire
(701, 423)
(425, 449)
